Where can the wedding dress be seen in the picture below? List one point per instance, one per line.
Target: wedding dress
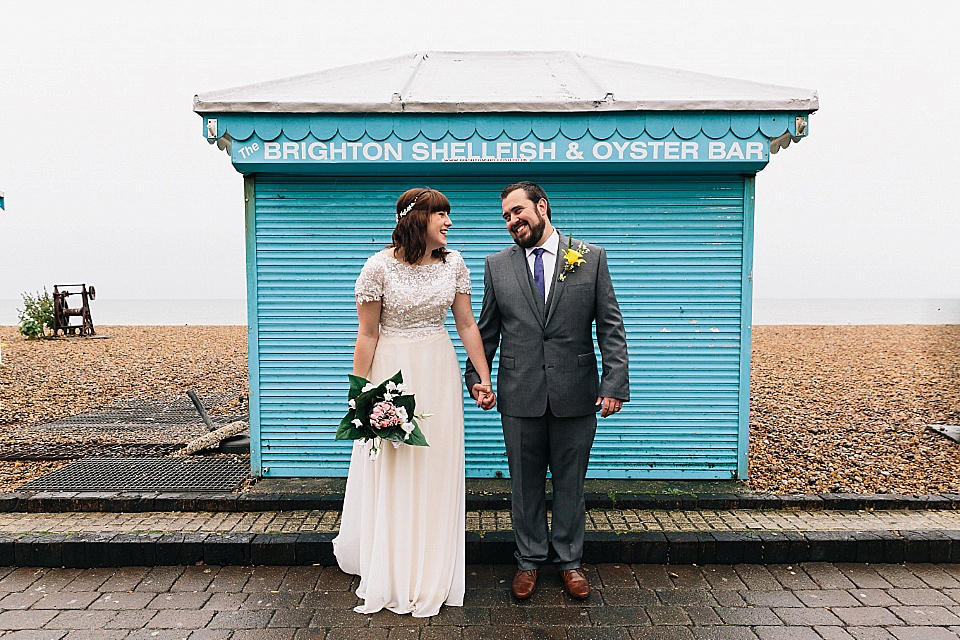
(403, 520)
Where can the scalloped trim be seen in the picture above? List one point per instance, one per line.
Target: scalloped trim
(353, 127)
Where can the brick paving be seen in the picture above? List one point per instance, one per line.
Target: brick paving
(822, 601)
(617, 520)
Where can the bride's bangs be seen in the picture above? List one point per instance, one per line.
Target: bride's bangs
(436, 201)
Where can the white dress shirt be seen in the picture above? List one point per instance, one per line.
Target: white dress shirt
(550, 247)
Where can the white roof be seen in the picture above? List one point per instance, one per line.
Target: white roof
(503, 81)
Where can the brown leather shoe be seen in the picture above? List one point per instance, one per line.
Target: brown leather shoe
(575, 583)
(524, 583)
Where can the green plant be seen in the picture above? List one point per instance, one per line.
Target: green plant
(36, 315)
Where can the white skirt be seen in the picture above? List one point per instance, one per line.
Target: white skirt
(403, 520)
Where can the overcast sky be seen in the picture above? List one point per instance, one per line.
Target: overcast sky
(108, 178)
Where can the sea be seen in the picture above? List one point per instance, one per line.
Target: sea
(766, 311)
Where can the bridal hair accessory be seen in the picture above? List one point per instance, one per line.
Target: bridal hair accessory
(407, 209)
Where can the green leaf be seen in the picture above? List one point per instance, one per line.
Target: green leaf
(366, 400)
(349, 433)
(417, 439)
(347, 430)
(407, 402)
(356, 384)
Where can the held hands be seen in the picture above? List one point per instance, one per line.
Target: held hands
(609, 406)
(484, 395)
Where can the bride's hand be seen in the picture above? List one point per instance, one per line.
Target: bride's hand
(483, 394)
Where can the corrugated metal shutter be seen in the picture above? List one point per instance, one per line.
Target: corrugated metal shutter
(675, 247)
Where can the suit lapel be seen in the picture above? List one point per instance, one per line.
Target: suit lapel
(557, 289)
(525, 282)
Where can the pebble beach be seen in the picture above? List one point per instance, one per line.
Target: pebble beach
(833, 408)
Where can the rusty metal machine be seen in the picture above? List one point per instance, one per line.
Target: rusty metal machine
(62, 312)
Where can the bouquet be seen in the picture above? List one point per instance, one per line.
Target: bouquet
(381, 412)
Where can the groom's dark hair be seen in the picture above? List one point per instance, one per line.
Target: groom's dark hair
(534, 191)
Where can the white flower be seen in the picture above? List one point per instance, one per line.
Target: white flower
(407, 428)
(387, 396)
(402, 414)
(357, 423)
(422, 416)
(368, 387)
(391, 385)
(396, 445)
(352, 404)
(374, 451)
(402, 388)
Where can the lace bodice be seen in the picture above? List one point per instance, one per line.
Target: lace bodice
(414, 297)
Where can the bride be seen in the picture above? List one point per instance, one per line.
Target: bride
(402, 527)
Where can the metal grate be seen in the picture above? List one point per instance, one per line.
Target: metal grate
(146, 474)
(73, 450)
(145, 415)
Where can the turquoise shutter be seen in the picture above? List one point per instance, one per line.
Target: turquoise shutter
(675, 247)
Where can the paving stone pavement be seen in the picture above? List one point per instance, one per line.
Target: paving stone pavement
(620, 520)
(757, 602)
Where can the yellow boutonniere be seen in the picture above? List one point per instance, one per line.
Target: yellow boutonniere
(573, 258)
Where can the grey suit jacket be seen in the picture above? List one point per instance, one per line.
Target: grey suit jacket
(546, 348)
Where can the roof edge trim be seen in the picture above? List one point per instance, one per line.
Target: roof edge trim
(613, 105)
(515, 126)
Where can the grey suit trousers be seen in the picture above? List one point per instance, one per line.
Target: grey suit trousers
(563, 445)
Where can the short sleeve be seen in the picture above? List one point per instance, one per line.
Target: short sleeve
(463, 276)
(369, 287)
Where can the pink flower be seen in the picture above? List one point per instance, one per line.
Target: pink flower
(384, 416)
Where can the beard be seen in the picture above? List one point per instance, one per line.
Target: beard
(533, 237)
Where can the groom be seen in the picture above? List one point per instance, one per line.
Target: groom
(539, 306)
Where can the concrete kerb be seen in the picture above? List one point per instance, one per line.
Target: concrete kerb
(705, 546)
(86, 550)
(138, 502)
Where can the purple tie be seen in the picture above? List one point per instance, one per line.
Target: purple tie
(538, 271)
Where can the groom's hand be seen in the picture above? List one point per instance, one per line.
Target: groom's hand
(484, 396)
(609, 406)
(488, 401)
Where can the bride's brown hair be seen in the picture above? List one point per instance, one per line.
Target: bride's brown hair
(409, 238)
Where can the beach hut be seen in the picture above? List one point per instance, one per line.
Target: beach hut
(657, 165)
